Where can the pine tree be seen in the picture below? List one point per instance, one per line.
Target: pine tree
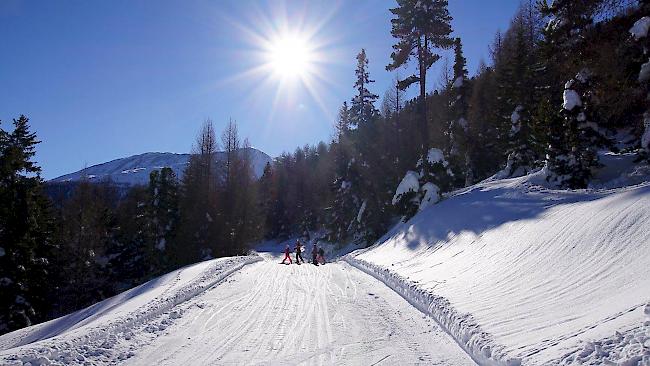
(572, 159)
(420, 26)
(519, 95)
(362, 108)
(424, 187)
(200, 224)
(25, 231)
(164, 214)
(458, 128)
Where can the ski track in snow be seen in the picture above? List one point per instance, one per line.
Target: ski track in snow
(276, 314)
(263, 313)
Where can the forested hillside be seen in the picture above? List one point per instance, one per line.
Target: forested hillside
(567, 81)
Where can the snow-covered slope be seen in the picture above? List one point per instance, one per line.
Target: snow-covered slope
(224, 313)
(135, 169)
(522, 273)
(90, 335)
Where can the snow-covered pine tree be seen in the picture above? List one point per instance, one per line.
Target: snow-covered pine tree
(419, 27)
(458, 128)
(571, 160)
(424, 187)
(26, 227)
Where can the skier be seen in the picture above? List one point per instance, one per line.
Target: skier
(321, 255)
(299, 252)
(287, 250)
(314, 255)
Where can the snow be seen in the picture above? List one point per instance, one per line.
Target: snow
(161, 244)
(516, 114)
(435, 156)
(571, 100)
(514, 118)
(362, 209)
(410, 182)
(243, 313)
(462, 122)
(644, 74)
(516, 272)
(135, 170)
(431, 195)
(98, 334)
(640, 28)
(458, 82)
(645, 139)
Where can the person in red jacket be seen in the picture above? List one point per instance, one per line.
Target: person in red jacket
(287, 251)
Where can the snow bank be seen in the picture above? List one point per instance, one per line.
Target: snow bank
(91, 335)
(462, 327)
(542, 272)
(629, 348)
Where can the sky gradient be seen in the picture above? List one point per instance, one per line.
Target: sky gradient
(101, 80)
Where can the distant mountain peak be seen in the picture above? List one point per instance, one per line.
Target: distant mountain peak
(135, 169)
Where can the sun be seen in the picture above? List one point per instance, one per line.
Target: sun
(289, 56)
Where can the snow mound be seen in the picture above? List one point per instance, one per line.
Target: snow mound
(436, 156)
(516, 271)
(644, 74)
(640, 28)
(410, 182)
(571, 100)
(431, 195)
(645, 139)
(90, 335)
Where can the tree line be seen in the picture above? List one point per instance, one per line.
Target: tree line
(565, 81)
(70, 248)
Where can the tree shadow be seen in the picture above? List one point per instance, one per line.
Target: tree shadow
(486, 207)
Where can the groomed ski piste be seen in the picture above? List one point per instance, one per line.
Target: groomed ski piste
(242, 311)
(519, 273)
(506, 272)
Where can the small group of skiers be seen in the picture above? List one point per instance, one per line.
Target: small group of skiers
(317, 254)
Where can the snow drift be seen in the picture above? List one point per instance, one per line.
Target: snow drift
(517, 272)
(90, 335)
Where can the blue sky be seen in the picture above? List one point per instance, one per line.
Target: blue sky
(101, 80)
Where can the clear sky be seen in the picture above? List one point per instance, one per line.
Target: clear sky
(101, 80)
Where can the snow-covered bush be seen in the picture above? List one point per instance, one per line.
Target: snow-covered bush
(418, 190)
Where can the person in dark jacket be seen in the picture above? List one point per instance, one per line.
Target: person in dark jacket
(314, 255)
(299, 252)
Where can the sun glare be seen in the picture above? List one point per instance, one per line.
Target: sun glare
(289, 56)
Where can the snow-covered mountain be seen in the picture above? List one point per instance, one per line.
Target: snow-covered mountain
(135, 170)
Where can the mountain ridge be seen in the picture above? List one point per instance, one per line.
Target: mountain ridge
(135, 169)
